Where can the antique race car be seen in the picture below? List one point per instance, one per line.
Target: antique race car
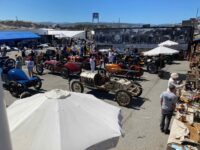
(123, 89)
(17, 82)
(85, 60)
(65, 68)
(122, 70)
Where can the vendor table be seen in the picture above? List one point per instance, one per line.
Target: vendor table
(185, 133)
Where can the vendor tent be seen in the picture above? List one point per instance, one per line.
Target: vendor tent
(168, 43)
(161, 50)
(17, 35)
(61, 120)
(68, 34)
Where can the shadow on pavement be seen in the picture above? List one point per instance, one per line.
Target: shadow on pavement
(141, 79)
(33, 91)
(175, 63)
(136, 102)
(168, 74)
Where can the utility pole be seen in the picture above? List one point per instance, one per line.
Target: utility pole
(197, 13)
(119, 22)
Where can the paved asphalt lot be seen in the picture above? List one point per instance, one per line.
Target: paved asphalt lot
(141, 119)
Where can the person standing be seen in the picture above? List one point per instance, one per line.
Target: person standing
(168, 104)
(30, 65)
(173, 80)
(23, 56)
(92, 63)
(111, 56)
(18, 64)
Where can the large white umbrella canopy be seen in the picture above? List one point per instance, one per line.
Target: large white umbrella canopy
(61, 120)
(161, 50)
(168, 43)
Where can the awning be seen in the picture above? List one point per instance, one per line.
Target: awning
(17, 35)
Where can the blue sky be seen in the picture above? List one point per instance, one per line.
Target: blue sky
(132, 11)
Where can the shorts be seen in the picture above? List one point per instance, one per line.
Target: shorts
(30, 68)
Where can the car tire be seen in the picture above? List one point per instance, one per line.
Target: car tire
(38, 83)
(123, 98)
(25, 95)
(152, 68)
(39, 69)
(65, 73)
(51, 68)
(15, 88)
(77, 86)
(135, 89)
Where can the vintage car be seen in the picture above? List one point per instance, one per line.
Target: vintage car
(17, 82)
(123, 89)
(64, 68)
(85, 60)
(122, 70)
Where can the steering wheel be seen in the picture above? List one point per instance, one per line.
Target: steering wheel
(9, 63)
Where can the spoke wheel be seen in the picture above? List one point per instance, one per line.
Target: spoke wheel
(16, 88)
(135, 90)
(123, 98)
(77, 86)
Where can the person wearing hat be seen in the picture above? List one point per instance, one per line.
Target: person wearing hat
(174, 81)
(168, 104)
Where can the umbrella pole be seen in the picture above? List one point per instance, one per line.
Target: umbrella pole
(5, 141)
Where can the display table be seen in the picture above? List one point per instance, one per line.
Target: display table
(185, 133)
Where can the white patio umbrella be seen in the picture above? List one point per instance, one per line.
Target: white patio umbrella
(168, 43)
(161, 50)
(61, 120)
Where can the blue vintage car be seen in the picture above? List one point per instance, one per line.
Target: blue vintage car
(17, 82)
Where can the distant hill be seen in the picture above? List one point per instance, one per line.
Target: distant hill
(7, 25)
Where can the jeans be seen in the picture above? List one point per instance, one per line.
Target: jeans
(165, 121)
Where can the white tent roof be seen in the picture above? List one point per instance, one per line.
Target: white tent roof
(168, 43)
(68, 34)
(61, 33)
(59, 120)
(160, 50)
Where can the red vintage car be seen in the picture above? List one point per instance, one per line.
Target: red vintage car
(64, 68)
(85, 60)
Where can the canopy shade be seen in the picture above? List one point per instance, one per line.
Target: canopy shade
(61, 120)
(161, 50)
(168, 43)
(68, 34)
(17, 35)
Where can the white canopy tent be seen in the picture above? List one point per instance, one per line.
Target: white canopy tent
(168, 43)
(61, 33)
(161, 50)
(68, 34)
(61, 120)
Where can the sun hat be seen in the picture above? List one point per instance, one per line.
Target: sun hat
(174, 75)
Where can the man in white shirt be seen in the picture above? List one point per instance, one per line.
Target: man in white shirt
(174, 81)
